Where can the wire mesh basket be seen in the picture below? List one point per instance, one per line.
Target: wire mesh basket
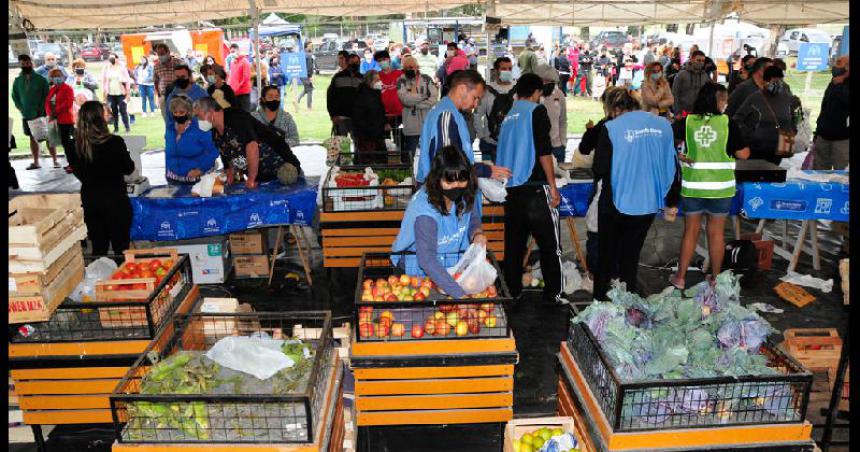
(396, 301)
(692, 402)
(357, 158)
(348, 191)
(133, 314)
(212, 403)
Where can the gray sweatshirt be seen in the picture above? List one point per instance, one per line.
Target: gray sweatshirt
(686, 87)
(416, 103)
(482, 127)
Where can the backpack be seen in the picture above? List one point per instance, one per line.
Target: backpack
(501, 106)
(742, 258)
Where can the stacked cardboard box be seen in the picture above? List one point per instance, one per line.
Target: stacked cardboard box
(250, 254)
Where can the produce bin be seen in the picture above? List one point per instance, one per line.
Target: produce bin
(429, 314)
(350, 196)
(139, 315)
(235, 408)
(352, 158)
(707, 402)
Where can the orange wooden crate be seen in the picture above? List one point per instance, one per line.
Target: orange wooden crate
(815, 348)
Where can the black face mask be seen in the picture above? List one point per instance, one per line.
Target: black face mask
(112, 60)
(454, 194)
(27, 70)
(410, 73)
(182, 83)
(181, 119)
(79, 71)
(272, 105)
(548, 89)
(354, 67)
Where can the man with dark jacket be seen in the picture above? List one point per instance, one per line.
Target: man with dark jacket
(832, 132)
(754, 83)
(341, 96)
(586, 61)
(687, 83)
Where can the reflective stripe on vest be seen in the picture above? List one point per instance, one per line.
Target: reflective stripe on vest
(712, 175)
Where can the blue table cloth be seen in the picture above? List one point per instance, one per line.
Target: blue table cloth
(184, 216)
(796, 200)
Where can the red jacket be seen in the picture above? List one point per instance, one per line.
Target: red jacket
(390, 99)
(62, 105)
(240, 75)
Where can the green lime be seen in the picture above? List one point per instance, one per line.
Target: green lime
(517, 445)
(557, 431)
(545, 433)
(527, 439)
(538, 442)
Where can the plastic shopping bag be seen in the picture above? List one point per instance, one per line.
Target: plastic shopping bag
(571, 279)
(257, 356)
(39, 128)
(476, 274)
(53, 134)
(99, 270)
(493, 189)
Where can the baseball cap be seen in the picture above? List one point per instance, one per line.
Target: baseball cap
(546, 72)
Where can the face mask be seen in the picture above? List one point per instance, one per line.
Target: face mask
(273, 105)
(838, 71)
(774, 87)
(410, 73)
(181, 119)
(385, 64)
(204, 125)
(656, 76)
(454, 194)
(548, 89)
(27, 70)
(368, 57)
(50, 63)
(210, 79)
(377, 86)
(112, 60)
(506, 76)
(79, 71)
(58, 80)
(450, 53)
(425, 51)
(182, 83)
(354, 67)
(164, 58)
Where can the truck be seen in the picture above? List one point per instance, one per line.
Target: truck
(209, 41)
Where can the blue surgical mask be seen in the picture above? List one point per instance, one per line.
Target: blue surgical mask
(58, 80)
(506, 76)
(385, 64)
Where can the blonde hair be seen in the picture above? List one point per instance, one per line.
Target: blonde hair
(409, 59)
(55, 72)
(91, 129)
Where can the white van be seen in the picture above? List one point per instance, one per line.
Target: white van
(790, 41)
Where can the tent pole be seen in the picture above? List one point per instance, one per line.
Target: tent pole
(255, 15)
(711, 39)
(17, 35)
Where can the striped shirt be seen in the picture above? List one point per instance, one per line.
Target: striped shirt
(162, 74)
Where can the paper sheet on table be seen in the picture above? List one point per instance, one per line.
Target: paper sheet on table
(204, 187)
(808, 281)
(797, 174)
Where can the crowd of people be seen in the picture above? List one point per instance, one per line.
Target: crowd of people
(669, 137)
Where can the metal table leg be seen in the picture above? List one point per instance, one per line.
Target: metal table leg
(39, 438)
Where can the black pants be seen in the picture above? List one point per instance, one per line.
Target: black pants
(619, 242)
(67, 137)
(108, 223)
(117, 109)
(527, 211)
(244, 101)
(562, 82)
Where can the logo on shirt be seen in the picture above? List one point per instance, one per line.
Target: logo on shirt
(705, 136)
(755, 203)
(631, 134)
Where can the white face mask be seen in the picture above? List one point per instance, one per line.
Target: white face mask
(377, 85)
(204, 125)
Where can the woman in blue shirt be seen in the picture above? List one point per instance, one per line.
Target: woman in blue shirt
(189, 151)
(441, 220)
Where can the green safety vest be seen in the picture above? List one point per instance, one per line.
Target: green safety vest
(712, 175)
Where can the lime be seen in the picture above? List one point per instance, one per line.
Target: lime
(557, 431)
(545, 433)
(527, 439)
(538, 442)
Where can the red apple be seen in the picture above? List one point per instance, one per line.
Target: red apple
(417, 331)
(488, 307)
(154, 264)
(442, 328)
(382, 329)
(393, 280)
(398, 329)
(474, 326)
(414, 282)
(429, 327)
(381, 283)
(368, 283)
(420, 296)
(365, 317)
(365, 309)
(404, 280)
(365, 329)
(482, 315)
(391, 297)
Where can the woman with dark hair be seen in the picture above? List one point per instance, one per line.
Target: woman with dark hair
(99, 161)
(217, 87)
(369, 124)
(656, 92)
(637, 162)
(713, 142)
(441, 221)
(270, 113)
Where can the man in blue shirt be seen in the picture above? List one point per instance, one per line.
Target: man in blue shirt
(369, 63)
(531, 206)
(184, 87)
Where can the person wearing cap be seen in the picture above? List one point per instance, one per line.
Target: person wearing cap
(471, 51)
(426, 60)
(556, 106)
(531, 205)
(832, 132)
(763, 113)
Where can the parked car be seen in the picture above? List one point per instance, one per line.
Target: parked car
(44, 47)
(354, 46)
(612, 40)
(95, 52)
(326, 56)
(790, 41)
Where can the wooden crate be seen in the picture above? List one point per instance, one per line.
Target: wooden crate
(814, 348)
(517, 427)
(34, 283)
(41, 229)
(38, 308)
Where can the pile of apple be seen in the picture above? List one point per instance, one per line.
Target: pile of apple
(534, 441)
(154, 268)
(461, 320)
(408, 288)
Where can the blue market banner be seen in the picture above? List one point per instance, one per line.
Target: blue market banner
(574, 199)
(843, 44)
(813, 56)
(796, 200)
(185, 216)
(294, 64)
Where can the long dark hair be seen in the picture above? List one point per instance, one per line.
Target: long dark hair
(91, 129)
(452, 165)
(706, 100)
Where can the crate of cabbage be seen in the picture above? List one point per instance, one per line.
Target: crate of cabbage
(255, 379)
(396, 301)
(357, 188)
(682, 360)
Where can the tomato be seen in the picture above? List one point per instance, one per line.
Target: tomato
(147, 274)
(167, 264)
(117, 275)
(130, 267)
(154, 264)
(139, 286)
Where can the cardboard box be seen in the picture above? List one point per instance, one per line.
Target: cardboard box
(248, 242)
(210, 258)
(253, 266)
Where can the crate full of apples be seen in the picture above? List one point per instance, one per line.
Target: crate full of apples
(427, 322)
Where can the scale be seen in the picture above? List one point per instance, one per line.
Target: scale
(135, 183)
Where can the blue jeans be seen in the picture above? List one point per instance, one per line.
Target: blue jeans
(410, 143)
(488, 150)
(558, 153)
(147, 95)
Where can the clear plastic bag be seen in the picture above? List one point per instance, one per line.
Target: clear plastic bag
(257, 356)
(571, 279)
(38, 128)
(53, 134)
(492, 189)
(99, 270)
(476, 274)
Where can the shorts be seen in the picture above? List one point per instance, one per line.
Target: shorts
(713, 206)
(27, 126)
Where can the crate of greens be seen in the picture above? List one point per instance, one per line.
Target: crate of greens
(364, 188)
(262, 383)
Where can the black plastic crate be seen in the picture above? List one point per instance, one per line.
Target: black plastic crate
(411, 313)
(114, 320)
(380, 157)
(369, 198)
(286, 408)
(693, 402)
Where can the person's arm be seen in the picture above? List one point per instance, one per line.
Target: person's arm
(292, 131)
(602, 165)
(16, 97)
(330, 99)
(678, 88)
(432, 95)
(475, 225)
(155, 82)
(124, 163)
(426, 243)
(747, 118)
(65, 100)
(673, 197)
(252, 156)
(562, 122)
(408, 97)
(667, 100)
(736, 145)
(541, 126)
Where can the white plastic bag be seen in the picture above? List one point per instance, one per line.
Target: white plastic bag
(203, 187)
(257, 356)
(476, 274)
(803, 139)
(99, 270)
(492, 189)
(38, 128)
(571, 279)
